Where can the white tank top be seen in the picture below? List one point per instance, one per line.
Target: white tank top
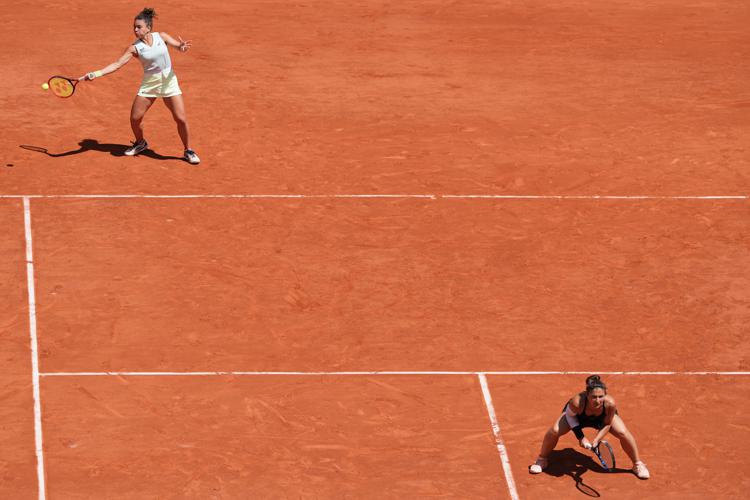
(155, 59)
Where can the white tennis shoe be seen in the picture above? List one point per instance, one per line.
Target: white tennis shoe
(640, 470)
(191, 157)
(136, 148)
(538, 466)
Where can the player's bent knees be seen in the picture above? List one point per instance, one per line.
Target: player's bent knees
(560, 427)
(555, 432)
(620, 433)
(618, 429)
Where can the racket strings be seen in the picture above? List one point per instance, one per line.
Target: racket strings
(606, 455)
(61, 87)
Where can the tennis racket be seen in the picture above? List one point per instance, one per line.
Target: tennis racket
(62, 86)
(605, 455)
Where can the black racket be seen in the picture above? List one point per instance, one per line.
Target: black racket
(62, 86)
(605, 455)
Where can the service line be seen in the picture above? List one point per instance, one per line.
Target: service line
(381, 196)
(371, 373)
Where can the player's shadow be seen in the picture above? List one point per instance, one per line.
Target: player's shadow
(569, 462)
(94, 145)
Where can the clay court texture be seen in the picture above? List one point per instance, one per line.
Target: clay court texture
(417, 227)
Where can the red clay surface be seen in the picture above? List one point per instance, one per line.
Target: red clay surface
(691, 431)
(402, 285)
(578, 97)
(17, 458)
(269, 437)
(530, 97)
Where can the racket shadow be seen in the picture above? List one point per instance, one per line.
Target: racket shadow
(94, 145)
(574, 464)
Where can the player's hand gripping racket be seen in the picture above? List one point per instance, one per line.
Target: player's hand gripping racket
(62, 86)
(605, 455)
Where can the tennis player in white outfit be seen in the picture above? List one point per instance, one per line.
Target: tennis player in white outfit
(159, 80)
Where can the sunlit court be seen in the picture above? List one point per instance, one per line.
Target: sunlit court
(354, 250)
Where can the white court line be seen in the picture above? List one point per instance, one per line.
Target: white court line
(590, 197)
(34, 349)
(221, 196)
(498, 438)
(371, 373)
(376, 196)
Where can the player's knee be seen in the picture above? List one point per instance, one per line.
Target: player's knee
(619, 433)
(179, 116)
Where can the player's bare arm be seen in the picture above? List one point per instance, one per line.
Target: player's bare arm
(575, 403)
(574, 408)
(111, 68)
(180, 44)
(610, 410)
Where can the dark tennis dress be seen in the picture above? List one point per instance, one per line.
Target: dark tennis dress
(595, 421)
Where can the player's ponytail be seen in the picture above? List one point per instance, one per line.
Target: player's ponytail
(595, 382)
(147, 15)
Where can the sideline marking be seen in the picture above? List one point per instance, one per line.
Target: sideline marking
(241, 373)
(498, 438)
(34, 348)
(376, 196)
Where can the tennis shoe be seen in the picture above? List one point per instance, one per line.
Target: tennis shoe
(191, 157)
(136, 148)
(640, 470)
(538, 466)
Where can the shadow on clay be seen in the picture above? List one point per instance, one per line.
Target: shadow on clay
(94, 145)
(569, 462)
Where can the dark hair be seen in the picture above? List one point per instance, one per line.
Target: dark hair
(595, 382)
(147, 15)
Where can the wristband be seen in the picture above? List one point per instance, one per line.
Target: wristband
(94, 74)
(578, 432)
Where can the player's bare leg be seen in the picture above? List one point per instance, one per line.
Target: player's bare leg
(137, 112)
(629, 446)
(551, 437)
(177, 106)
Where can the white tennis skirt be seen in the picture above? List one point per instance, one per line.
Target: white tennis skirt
(160, 85)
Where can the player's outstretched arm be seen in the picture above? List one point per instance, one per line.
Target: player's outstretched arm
(571, 415)
(122, 61)
(180, 44)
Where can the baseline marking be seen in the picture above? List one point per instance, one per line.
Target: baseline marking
(377, 196)
(498, 438)
(34, 348)
(318, 374)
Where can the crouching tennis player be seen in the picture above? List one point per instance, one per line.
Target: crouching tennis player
(591, 408)
(159, 80)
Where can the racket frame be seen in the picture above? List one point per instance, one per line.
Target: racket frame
(73, 82)
(607, 467)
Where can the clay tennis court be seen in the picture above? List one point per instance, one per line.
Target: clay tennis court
(416, 228)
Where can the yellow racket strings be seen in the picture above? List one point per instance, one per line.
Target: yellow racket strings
(61, 87)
